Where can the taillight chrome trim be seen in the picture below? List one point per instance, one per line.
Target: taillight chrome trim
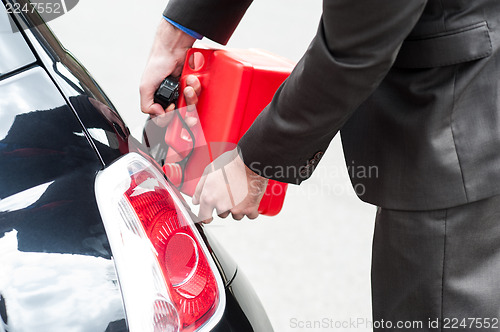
(110, 186)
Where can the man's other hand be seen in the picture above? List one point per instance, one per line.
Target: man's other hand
(166, 58)
(229, 187)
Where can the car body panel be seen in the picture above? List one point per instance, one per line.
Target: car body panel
(55, 259)
(73, 81)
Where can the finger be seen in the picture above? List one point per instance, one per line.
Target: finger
(253, 215)
(198, 190)
(224, 215)
(208, 221)
(190, 95)
(148, 105)
(195, 83)
(170, 108)
(164, 119)
(238, 216)
(223, 205)
(201, 183)
(191, 121)
(205, 212)
(153, 109)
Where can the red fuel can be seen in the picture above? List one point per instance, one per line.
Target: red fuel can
(236, 86)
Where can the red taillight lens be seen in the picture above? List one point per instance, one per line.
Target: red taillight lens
(180, 287)
(181, 258)
(184, 265)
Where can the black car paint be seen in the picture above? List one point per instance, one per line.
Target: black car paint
(47, 171)
(59, 141)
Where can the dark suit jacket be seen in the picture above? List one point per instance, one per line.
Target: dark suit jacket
(414, 86)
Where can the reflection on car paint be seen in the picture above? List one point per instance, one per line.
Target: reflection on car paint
(14, 51)
(40, 287)
(23, 199)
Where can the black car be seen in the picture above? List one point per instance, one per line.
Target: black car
(93, 237)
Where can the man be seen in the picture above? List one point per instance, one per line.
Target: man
(414, 87)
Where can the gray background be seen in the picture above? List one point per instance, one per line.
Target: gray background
(312, 261)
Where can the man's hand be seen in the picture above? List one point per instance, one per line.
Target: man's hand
(166, 58)
(191, 93)
(229, 186)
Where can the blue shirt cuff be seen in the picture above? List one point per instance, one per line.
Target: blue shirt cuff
(190, 32)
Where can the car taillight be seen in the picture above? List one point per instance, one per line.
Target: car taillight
(165, 271)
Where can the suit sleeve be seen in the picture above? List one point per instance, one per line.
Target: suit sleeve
(214, 19)
(355, 46)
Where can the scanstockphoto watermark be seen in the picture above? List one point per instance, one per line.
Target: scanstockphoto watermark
(38, 11)
(290, 171)
(353, 323)
(467, 323)
(333, 177)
